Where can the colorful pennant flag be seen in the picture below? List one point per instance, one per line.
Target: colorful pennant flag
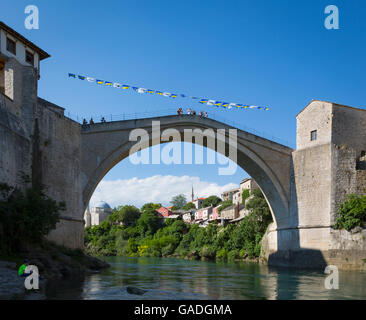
(209, 102)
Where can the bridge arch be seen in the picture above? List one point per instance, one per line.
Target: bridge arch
(106, 144)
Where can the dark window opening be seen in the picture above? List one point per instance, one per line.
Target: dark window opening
(313, 135)
(11, 46)
(29, 57)
(2, 77)
(361, 162)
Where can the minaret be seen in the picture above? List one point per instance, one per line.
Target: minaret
(192, 194)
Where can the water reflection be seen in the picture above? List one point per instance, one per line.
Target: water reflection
(181, 279)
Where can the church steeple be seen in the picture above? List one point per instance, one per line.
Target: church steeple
(192, 193)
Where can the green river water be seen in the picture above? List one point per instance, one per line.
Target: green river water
(166, 278)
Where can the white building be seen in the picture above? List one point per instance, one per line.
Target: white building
(98, 214)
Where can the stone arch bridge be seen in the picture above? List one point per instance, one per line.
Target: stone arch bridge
(267, 162)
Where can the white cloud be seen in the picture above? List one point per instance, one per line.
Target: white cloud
(157, 189)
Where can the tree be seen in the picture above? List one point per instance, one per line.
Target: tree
(26, 217)
(149, 223)
(212, 200)
(128, 215)
(179, 201)
(150, 206)
(189, 206)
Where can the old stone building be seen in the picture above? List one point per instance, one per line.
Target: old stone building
(231, 212)
(36, 138)
(329, 160)
(247, 184)
(229, 195)
(328, 164)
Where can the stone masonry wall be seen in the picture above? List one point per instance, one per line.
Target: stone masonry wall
(312, 173)
(59, 165)
(15, 148)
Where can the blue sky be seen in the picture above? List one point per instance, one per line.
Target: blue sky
(271, 53)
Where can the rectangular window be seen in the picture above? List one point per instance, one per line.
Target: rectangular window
(11, 46)
(313, 135)
(29, 57)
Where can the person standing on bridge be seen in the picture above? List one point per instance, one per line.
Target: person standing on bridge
(206, 115)
(189, 111)
(91, 121)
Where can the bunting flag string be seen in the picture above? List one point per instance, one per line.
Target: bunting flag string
(209, 102)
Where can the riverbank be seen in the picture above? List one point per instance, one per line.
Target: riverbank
(53, 262)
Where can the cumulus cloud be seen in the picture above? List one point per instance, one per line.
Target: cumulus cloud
(157, 189)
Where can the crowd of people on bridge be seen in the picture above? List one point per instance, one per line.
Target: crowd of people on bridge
(192, 112)
(179, 112)
(91, 121)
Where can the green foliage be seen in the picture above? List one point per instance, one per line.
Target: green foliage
(351, 213)
(179, 201)
(245, 195)
(233, 255)
(150, 206)
(151, 236)
(189, 206)
(26, 216)
(127, 215)
(149, 223)
(224, 205)
(212, 200)
(221, 255)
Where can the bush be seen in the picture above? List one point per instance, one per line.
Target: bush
(212, 200)
(189, 206)
(233, 255)
(221, 255)
(351, 213)
(26, 217)
(208, 252)
(127, 215)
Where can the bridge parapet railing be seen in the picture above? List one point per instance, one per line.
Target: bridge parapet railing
(173, 111)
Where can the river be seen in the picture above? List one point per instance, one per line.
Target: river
(166, 278)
